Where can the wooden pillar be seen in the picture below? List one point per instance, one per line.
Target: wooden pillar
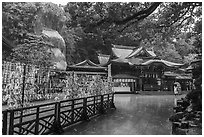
(37, 121)
(133, 87)
(56, 127)
(101, 110)
(11, 122)
(94, 105)
(84, 114)
(140, 83)
(72, 111)
(109, 70)
(23, 86)
(4, 125)
(112, 102)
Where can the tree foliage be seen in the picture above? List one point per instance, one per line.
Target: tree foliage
(158, 25)
(173, 28)
(18, 19)
(23, 19)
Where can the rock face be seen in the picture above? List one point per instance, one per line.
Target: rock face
(59, 49)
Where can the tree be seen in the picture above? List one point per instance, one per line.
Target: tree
(23, 19)
(100, 13)
(93, 26)
(18, 19)
(158, 23)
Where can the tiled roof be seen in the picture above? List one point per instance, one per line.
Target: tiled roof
(151, 53)
(103, 59)
(86, 64)
(124, 54)
(121, 51)
(120, 60)
(136, 61)
(128, 51)
(137, 51)
(167, 63)
(123, 47)
(134, 52)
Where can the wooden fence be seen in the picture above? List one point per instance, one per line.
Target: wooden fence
(52, 118)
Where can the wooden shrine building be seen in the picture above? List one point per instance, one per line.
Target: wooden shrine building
(136, 69)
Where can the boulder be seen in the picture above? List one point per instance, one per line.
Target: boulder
(59, 49)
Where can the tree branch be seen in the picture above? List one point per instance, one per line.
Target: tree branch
(128, 24)
(189, 9)
(136, 16)
(139, 15)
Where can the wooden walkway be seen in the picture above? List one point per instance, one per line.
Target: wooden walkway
(134, 115)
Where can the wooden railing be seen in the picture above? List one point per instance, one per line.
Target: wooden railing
(53, 117)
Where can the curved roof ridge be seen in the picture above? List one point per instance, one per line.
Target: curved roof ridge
(151, 53)
(134, 52)
(86, 62)
(103, 55)
(121, 52)
(123, 47)
(167, 63)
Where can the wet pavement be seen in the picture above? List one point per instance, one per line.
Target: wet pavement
(135, 115)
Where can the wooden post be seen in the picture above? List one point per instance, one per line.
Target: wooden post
(56, 127)
(112, 102)
(11, 122)
(133, 88)
(109, 71)
(58, 113)
(108, 102)
(23, 87)
(94, 104)
(84, 115)
(101, 110)
(140, 82)
(47, 89)
(21, 120)
(37, 121)
(4, 126)
(72, 112)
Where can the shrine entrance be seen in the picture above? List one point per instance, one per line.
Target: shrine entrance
(125, 83)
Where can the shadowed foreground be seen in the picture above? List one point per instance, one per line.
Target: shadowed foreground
(135, 115)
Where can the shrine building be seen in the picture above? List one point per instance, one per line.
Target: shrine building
(138, 69)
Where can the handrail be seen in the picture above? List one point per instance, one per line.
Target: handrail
(57, 116)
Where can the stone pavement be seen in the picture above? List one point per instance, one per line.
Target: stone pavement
(135, 115)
